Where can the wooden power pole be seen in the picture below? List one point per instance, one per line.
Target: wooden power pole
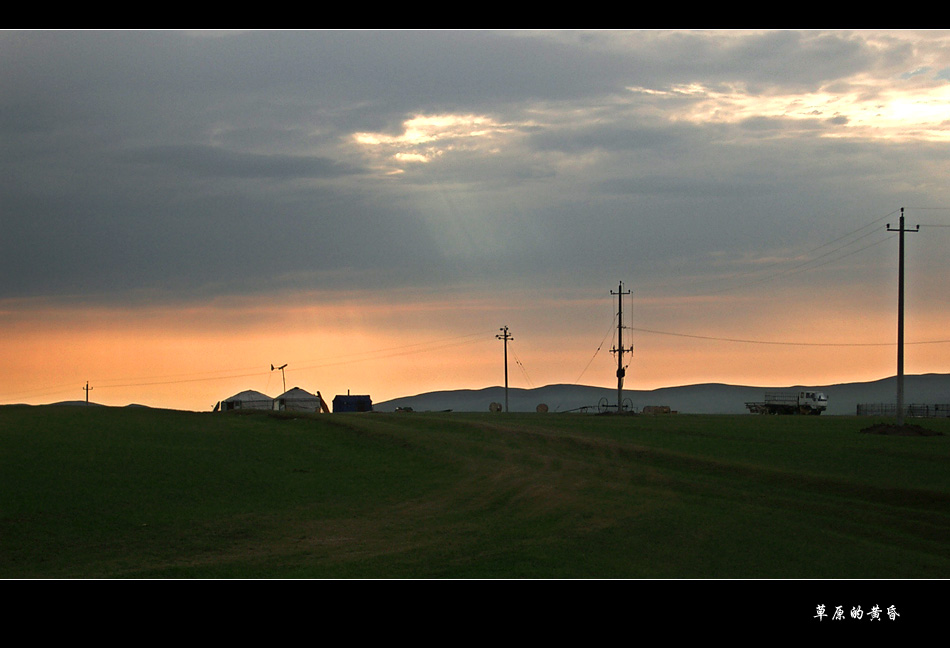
(900, 316)
(505, 336)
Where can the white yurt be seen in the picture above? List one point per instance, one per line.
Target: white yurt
(298, 400)
(250, 399)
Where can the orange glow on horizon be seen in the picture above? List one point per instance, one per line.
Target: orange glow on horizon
(192, 356)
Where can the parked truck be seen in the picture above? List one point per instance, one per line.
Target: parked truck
(803, 402)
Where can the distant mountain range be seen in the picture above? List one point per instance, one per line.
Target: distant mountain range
(710, 398)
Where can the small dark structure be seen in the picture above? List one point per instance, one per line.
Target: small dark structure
(657, 409)
(352, 404)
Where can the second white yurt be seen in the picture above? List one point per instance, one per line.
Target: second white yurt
(297, 400)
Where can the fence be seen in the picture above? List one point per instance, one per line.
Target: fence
(912, 411)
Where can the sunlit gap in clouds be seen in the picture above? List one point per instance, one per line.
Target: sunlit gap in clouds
(428, 137)
(865, 110)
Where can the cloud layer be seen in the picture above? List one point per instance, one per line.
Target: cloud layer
(177, 167)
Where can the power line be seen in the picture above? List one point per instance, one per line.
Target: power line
(801, 266)
(783, 343)
(599, 346)
(873, 223)
(343, 360)
(409, 349)
(402, 350)
(521, 365)
(61, 388)
(245, 372)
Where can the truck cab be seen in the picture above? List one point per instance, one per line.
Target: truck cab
(812, 402)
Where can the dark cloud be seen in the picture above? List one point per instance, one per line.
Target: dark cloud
(200, 162)
(216, 162)
(682, 187)
(616, 137)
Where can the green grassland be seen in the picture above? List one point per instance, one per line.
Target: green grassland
(96, 492)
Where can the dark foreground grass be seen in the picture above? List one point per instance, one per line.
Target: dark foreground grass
(136, 493)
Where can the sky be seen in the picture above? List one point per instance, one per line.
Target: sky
(182, 210)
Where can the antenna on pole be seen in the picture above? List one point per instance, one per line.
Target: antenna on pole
(619, 349)
(87, 389)
(505, 336)
(900, 316)
(272, 367)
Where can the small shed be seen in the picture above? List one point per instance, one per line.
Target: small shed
(246, 400)
(299, 400)
(352, 404)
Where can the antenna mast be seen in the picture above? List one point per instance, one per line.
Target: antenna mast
(619, 349)
(282, 367)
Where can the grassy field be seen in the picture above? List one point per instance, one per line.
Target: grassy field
(94, 492)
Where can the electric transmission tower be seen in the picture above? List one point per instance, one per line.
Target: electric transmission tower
(619, 349)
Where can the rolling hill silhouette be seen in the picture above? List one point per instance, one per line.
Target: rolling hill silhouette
(708, 398)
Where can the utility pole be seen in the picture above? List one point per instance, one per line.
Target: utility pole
(619, 349)
(900, 316)
(505, 336)
(87, 389)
